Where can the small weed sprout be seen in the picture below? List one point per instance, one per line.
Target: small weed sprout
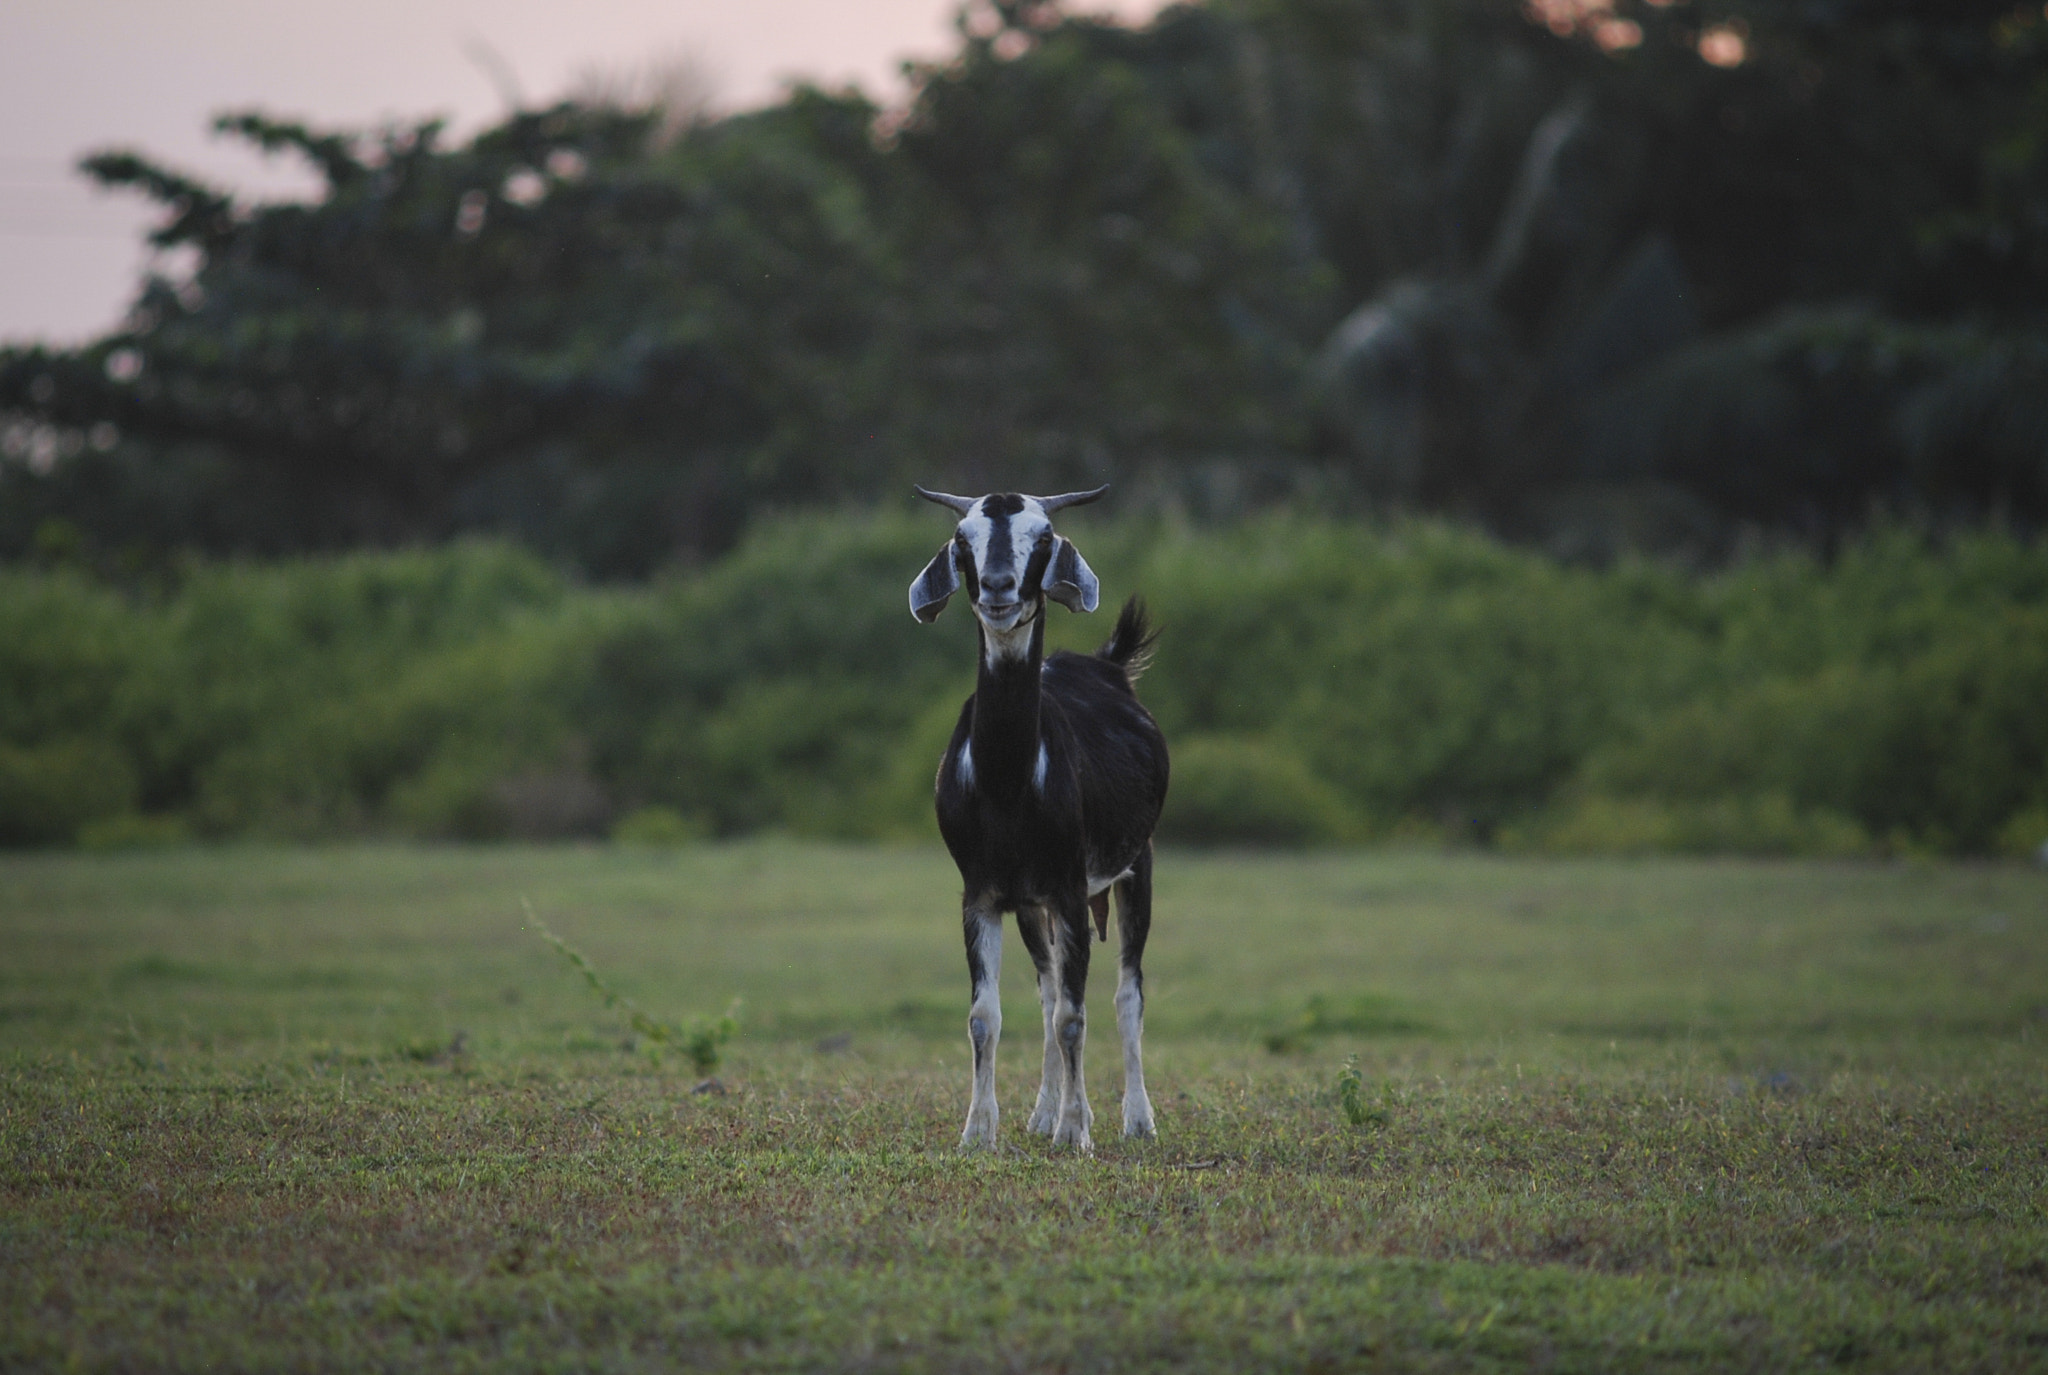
(1351, 1097)
(700, 1040)
(1351, 1092)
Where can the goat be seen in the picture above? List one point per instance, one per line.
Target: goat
(1047, 796)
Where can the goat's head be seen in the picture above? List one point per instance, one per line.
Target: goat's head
(1006, 554)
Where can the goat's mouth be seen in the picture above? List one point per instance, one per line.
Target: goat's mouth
(1001, 615)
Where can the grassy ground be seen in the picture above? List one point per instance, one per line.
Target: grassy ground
(330, 1109)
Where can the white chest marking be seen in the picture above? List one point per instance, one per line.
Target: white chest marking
(1038, 771)
(963, 766)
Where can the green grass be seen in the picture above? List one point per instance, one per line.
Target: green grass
(334, 1109)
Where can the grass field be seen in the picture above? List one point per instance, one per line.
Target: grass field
(338, 1109)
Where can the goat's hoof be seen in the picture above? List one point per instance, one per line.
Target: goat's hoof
(1076, 1135)
(980, 1132)
(1141, 1130)
(1043, 1120)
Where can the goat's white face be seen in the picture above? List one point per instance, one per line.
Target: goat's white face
(1006, 555)
(1000, 545)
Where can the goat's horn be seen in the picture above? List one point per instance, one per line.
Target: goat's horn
(1051, 504)
(960, 504)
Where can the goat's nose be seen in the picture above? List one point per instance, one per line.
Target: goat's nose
(1000, 582)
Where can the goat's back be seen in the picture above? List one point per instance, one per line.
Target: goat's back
(1118, 751)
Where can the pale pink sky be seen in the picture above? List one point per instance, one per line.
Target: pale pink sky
(77, 75)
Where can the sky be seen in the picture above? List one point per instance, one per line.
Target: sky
(82, 75)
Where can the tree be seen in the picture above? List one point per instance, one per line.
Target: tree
(1599, 272)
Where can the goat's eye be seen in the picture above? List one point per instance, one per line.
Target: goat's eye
(1045, 539)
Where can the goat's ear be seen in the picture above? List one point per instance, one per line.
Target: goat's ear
(939, 581)
(1068, 578)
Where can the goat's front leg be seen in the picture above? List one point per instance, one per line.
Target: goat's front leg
(983, 928)
(1070, 1021)
(1035, 926)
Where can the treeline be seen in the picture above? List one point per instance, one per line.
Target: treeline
(1604, 274)
(1320, 681)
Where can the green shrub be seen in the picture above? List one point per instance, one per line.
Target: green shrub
(1317, 681)
(658, 827)
(777, 688)
(899, 805)
(451, 798)
(2025, 835)
(73, 658)
(1239, 790)
(49, 791)
(131, 831)
(1940, 746)
(1423, 671)
(1765, 825)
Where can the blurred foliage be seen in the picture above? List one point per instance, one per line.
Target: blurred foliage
(1321, 681)
(1240, 790)
(1764, 824)
(1544, 266)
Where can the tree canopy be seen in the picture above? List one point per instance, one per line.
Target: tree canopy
(1596, 272)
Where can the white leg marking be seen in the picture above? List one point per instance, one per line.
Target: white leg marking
(1046, 1113)
(984, 1030)
(1075, 1115)
(1070, 1026)
(1130, 1025)
(1038, 771)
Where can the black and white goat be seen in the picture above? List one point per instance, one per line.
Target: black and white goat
(1047, 797)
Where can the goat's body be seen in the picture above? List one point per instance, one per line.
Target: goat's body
(1104, 767)
(1047, 797)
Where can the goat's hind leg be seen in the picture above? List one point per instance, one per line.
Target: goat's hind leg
(1134, 923)
(983, 928)
(1034, 924)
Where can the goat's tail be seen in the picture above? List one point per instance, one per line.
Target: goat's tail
(1130, 645)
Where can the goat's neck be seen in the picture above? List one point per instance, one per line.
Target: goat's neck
(1006, 700)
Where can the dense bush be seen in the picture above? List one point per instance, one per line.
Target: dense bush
(1898, 688)
(1242, 790)
(1769, 824)
(49, 793)
(1427, 673)
(1321, 682)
